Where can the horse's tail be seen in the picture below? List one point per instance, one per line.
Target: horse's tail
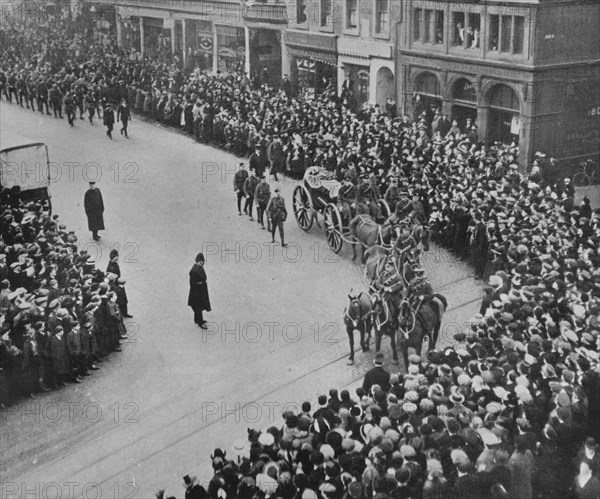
(442, 305)
(442, 302)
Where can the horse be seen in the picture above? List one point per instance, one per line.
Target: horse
(368, 233)
(375, 258)
(357, 316)
(427, 323)
(382, 320)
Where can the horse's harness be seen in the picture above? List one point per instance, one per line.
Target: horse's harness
(362, 318)
(386, 311)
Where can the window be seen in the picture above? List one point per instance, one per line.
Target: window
(505, 33)
(466, 30)
(464, 90)
(351, 14)
(301, 11)
(494, 32)
(418, 15)
(326, 12)
(519, 34)
(382, 22)
(439, 26)
(428, 26)
(502, 96)
(458, 24)
(473, 30)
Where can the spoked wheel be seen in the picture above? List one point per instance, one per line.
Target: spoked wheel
(385, 208)
(303, 207)
(406, 318)
(333, 227)
(581, 180)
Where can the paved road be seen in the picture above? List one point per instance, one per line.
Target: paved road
(155, 411)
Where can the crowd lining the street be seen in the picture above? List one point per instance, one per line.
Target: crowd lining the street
(59, 314)
(503, 412)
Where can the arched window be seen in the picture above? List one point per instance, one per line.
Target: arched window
(428, 84)
(464, 90)
(504, 97)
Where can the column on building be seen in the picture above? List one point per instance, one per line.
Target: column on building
(215, 47)
(285, 58)
(183, 29)
(247, 49)
(142, 48)
(173, 38)
(119, 27)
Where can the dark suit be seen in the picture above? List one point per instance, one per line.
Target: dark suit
(198, 297)
(467, 487)
(377, 376)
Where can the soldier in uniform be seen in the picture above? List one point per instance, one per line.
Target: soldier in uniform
(42, 95)
(391, 285)
(239, 180)
(263, 196)
(56, 99)
(346, 198)
(392, 194)
(249, 190)
(277, 214)
(22, 90)
(90, 105)
(70, 108)
(31, 93)
(363, 195)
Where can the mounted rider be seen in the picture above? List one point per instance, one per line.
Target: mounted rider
(417, 215)
(389, 283)
(346, 198)
(392, 194)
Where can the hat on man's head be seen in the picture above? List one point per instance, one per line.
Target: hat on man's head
(378, 361)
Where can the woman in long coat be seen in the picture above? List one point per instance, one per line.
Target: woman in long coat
(198, 298)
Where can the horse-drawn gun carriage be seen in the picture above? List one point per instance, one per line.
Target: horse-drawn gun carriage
(318, 194)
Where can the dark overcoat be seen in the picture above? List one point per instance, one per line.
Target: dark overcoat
(94, 208)
(198, 298)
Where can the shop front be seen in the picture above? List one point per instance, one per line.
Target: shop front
(368, 67)
(201, 45)
(231, 48)
(313, 62)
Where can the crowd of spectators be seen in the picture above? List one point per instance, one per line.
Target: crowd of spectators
(458, 424)
(505, 410)
(59, 314)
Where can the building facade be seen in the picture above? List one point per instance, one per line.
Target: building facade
(223, 35)
(522, 71)
(366, 49)
(526, 72)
